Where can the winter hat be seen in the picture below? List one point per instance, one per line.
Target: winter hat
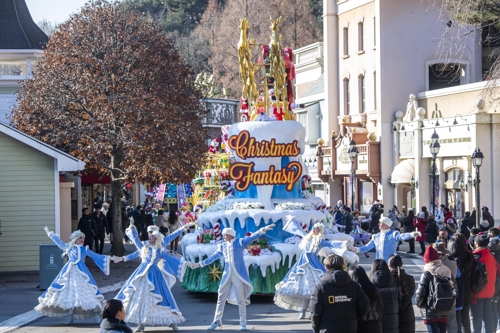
(440, 248)
(494, 244)
(229, 231)
(421, 215)
(482, 240)
(452, 228)
(153, 228)
(387, 221)
(485, 224)
(76, 234)
(450, 221)
(430, 255)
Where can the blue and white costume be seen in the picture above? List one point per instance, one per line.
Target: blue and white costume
(385, 243)
(235, 285)
(300, 281)
(74, 290)
(146, 295)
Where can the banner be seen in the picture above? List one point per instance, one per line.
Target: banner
(161, 192)
(181, 196)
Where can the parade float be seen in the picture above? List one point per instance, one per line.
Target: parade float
(271, 182)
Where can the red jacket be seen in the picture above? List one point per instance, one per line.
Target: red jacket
(420, 224)
(492, 269)
(447, 215)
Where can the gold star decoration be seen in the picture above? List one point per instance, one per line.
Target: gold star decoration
(215, 273)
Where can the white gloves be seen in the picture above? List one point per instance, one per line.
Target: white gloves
(193, 265)
(416, 233)
(352, 248)
(267, 228)
(48, 231)
(117, 259)
(188, 225)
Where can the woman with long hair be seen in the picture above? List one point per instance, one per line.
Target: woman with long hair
(372, 321)
(387, 287)
(146, 294)
(457, 247)
(296, 289)
(406, 285)
(173, 226)
(113, 317)
(74, 293)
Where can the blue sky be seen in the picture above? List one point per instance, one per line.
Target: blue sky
(53, 10)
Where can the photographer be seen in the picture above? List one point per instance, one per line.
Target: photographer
(377, 211)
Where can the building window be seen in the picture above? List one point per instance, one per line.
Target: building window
(360, 37)
(454, 194)
(375, 90)
(446, 75)
(346, 41)
(361, 93)
(374, 32)
(347, 97)
(302, 119)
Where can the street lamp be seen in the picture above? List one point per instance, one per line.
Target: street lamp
(477, 161)
(434, 147)
(352, 152)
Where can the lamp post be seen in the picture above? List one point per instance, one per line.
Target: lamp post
(434, 148)
(352, 152)
(477, 161)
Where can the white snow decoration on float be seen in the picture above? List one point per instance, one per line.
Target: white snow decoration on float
(197, 252)
(289, 251)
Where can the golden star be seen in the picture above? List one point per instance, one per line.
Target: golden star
(215, 273)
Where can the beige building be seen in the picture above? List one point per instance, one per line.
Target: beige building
(377, 53)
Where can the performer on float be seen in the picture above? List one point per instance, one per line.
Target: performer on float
(387, 240)
(360, 236)
(296, 289)
(244, 109)
(74, 292)
(235, 285)
(146, 294)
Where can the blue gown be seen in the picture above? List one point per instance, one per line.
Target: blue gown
(302, 278)
(74, 288)
(146, 294)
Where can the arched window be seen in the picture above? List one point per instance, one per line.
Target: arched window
(347, 97)
(360, 37)
(361, 93)
(346, 41)
(454, 194)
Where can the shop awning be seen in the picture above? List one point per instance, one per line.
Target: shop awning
(403, 172)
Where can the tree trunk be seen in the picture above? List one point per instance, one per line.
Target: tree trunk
(118, 249)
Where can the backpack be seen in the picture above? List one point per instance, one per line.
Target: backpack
(479, 275)
(441, 295)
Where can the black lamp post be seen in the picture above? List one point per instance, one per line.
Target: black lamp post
(477, 161)
(353, 152)
(434, 147)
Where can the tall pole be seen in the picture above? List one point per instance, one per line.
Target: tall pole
(434, 184)
(478, 207)
(352, 184)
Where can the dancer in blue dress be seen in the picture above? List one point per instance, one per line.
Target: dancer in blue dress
(74, 292)
(294, 292)
(146, 295)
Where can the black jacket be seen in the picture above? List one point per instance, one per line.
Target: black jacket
(87, 226)
(406, 285)
(389, 291)
(114, 325)
(491, 221)
(348, 222)
(336, 304)
(467, 224)
(464, 263)
(101, 224)
(431, 231)
(372, 320)
(408, 223)
(421, 299)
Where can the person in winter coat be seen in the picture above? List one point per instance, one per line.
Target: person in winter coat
(457, 246)
(481, 302)
(421, 224)
(408, 224)
(389, 291)
(494, 247)
(487, 216)
(435, 319)
(406, 285)
(431, 231)
(113, 317)
(467, 224)
(440, 216)
(447, 214)
(371, 322)
(86, 224)
(386, 241)
(337, 301)
(459, 287)
(101, 228)
(451, 325)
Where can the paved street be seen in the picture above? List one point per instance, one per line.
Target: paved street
(19, 293)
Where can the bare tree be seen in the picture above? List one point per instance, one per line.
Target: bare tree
(47, 26)
(113, 91)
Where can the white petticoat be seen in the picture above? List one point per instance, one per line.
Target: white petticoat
(144, 307)
(289, 294)
(77, 294)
